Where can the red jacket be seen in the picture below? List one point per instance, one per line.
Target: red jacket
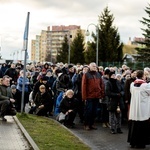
(92, 85)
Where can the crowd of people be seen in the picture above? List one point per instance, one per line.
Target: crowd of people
(111, 95)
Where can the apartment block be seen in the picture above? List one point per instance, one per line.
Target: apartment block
(47, 45)
(35, 49)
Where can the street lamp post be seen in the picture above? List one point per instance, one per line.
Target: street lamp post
(17, 54)
(51, 50)
(69, 47)
(97, 36)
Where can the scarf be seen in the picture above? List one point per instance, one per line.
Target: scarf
(138, 82)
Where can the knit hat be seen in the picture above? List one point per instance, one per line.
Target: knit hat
(118, 75)
(70, 66)
(111, 73)
(49, 70)
(13, 86)
(106, 72)
(44, 78)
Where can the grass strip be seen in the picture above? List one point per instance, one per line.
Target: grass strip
(49, 135)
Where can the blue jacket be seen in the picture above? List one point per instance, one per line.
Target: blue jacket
(20, 84)
(58, 101)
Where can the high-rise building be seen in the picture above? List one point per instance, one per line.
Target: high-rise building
(35, 48)
(47, 45)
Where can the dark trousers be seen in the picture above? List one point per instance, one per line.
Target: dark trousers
(6, 109)
(139, 133)
(81, 110)
(42, 111)
(4, 105)
(26, 100)
(104, 113)
(90, 111)
(70, 118)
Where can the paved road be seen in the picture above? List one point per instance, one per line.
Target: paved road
(102, 139)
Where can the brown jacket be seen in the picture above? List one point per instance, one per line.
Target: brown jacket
(92, 85)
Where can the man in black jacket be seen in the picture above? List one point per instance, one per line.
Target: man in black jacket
(12, 73)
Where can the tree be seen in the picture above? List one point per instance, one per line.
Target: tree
(144, 50)
(77, 49)
(109, 46)
(90, 53)
(62, 55)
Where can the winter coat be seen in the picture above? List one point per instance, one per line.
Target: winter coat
(63, 83)
(20, 84)
(106, 98)
(3, 69)
(67, 104)
(37, 85)
(11, 72)
(5, 93)
(115, 93)
(43, 99)
(92, 85)
(51, 80)
(58, 101)
(127, 89)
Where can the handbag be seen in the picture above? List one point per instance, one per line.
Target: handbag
(61, 117)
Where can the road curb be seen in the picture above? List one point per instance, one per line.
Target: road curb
(69, 130)
(29, 139)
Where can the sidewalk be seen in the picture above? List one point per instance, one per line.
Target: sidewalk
(11, 137)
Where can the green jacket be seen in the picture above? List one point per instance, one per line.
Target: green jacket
(5, 93)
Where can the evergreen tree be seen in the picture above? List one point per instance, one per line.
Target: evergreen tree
(90, 53)
(110, 48)
(62, 55)
(77, 49)
(144, 50)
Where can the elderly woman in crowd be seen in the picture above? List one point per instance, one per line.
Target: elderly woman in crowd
(43, 101)
(69, 107)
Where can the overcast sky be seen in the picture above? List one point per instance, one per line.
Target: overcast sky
(45, 13)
